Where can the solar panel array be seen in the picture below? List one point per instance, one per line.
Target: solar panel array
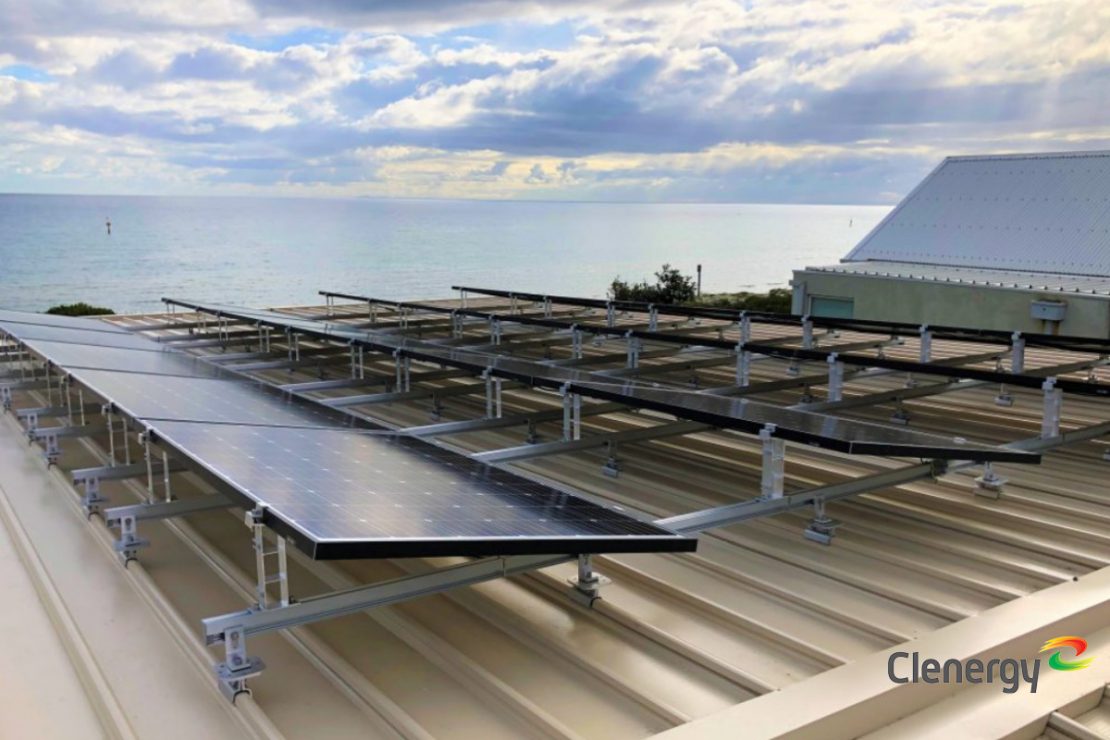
(821, 430)
(337, 487)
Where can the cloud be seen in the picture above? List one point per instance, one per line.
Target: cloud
(706, 99)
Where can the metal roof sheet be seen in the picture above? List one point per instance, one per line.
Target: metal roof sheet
(1016, 279)
(1035, 212)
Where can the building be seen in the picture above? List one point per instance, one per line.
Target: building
(1015, 242)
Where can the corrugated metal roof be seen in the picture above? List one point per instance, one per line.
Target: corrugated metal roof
(1019, 279)
(1038, 212)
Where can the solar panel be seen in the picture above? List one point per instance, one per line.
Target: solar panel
(822, 430)
(70, 322)
(339, 488)
(156, 397)
(82, 335)
(341, 494)
(163, 362)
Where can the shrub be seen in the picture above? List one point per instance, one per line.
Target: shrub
(671, 286)
(79, 309)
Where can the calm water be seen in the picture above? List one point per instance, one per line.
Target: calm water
(262, 252)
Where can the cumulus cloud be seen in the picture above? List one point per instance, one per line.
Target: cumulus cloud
(632, 99)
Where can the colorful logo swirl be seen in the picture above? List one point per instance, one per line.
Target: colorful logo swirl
(1078, 644)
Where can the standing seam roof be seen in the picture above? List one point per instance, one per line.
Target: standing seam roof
(1035, 212)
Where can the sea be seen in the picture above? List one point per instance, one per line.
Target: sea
(282, 251)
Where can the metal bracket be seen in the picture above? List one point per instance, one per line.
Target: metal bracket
(238, 667)
(990, 483)
(586, 588)
(822, 528)
(612, 466)
(93, 501)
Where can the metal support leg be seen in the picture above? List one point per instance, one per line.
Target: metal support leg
(807, 333)
(266, 578)
(633, 351)
(1017, 353)
(836, 378)
(493, 395)
(572, 415)
(495, 331)
(926, 335)
(743, 366)
(575, 343)
(610, 315)
(774, 463)
(653, 318)
(546, 307)
(1053, 400)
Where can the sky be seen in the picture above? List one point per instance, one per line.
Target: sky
(631, 100)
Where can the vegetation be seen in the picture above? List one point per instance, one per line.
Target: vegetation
(79, 309)
(776, 300)
(672, 287)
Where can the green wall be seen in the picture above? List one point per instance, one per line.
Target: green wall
(922, 302)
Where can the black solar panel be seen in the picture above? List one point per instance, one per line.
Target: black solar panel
(342, 494)
(161, 362)
(179, 398)
(82, 335)
(338, 487)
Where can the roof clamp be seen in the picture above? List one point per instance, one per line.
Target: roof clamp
(612, 466)
(586, 588)
(774, 463)
(990, 483)
(822, 527)
(93, 500)
(238, 667)
(807, 395)
(901, 414)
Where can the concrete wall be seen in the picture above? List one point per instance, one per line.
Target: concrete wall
(918, 301)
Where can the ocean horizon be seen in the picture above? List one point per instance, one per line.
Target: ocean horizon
(267, 251)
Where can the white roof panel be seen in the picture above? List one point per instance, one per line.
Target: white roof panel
(1034, 212)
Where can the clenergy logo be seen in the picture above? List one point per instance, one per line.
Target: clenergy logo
(1057, 662)
(1010, 673)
